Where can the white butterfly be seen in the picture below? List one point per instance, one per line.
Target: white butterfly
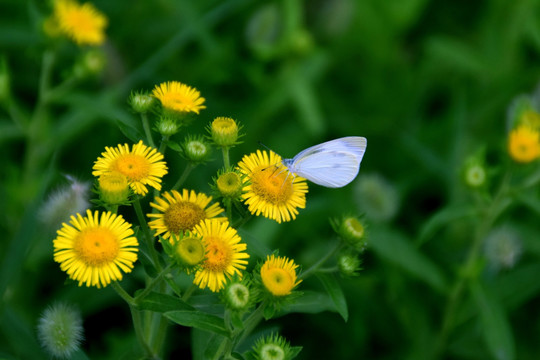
(333, 164)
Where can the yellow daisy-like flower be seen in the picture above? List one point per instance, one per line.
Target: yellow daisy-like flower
(270, 189)
(524, 144)
(93, 249)
(278, 275)
(142, 165)
(225, 254)
(181, 212)
(84, 24)
(179, 97)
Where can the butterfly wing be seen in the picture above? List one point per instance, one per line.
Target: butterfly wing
(332, 164)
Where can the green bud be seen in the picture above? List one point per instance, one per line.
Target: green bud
(141, 102)
(196, 149)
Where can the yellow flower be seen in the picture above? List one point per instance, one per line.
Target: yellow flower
(142, 165)
(93, 250)
(270, 189)
(278, 275)
(181, 212)
(179, 97)
(524, 144)
(84, 24)
(225, 254)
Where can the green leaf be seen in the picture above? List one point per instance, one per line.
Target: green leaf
(163, 303)
(310, 302)
(174, 146)
(130, 130)
(396, 248)
(497, 332)
(518, 286)
(199, 320)
(336, 294)
(442, 218)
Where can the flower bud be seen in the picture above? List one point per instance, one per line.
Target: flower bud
(352, 231)
(237, 294)
(141, 102)
(196, 149)
(60, 330)
(224, 131)
(167, 126)
(114, 188)
(229, 184)
(91, 63)
(349, 264)
(273, 347)
(474, 170)
(187, 250)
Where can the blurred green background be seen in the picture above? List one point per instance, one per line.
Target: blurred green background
(427, 82)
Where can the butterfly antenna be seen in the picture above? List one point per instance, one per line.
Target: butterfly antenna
(266, 147)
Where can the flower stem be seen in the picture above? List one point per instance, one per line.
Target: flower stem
(122, 293)
(226, 161)
(146, 127)
(155, 281)
(147, 234)
(189, 292)
(183, 177)
(163, 144)
(498, 205)
(315, 267)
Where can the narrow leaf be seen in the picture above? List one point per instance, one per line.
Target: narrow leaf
(336, 294)
(310, 302)
(497, 332)
(442, 218)
(199, 320)
(163, 303)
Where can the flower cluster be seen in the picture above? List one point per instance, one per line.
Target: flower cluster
(187, 232)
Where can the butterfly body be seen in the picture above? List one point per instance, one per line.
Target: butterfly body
(333, 164)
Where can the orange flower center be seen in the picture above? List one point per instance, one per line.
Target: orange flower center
(97, 246)
(218, 255)
(134, 167)
(272, 185)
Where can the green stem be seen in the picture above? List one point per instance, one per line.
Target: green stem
(226, 161)
(498, 205)
(149, 238)
(146, 127)
(155, 281)
(189, 292)
(251, 322)
(183, 177)
(123, 294)
(321, 261)
(138, 326)
(228, 208)
(60, 90)
(163, 144)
